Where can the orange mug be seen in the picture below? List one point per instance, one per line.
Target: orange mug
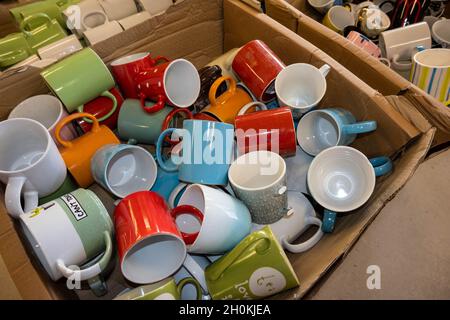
(77, 153)
(226, 107)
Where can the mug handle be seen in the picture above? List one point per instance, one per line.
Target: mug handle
(12, 197)
(397, 65)
(108, 95)
(67, 120)
(324, 70)
(308, 244)
(159, 158)
(381, 165)
(170, 117)
(188, 238)
(360, 127)
(97, 12)
(159, 105)
(215, 270)
(215, 86)
(93, 270)
(157, 60)
(184, 282)
(25, 22)
(175, 192)
(329, 220)
(248, 106)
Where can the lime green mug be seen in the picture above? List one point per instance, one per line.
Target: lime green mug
(256, 268)
(81, 78)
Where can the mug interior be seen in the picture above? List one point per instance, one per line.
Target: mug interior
(320, 3)
(433, 58)
(23, 143)
(131, 170)
(129, 59)
(182, 83)
(154, 258)
(341, 179)
(441, 30)
(195, 197)
(341, 17)
(317, 131)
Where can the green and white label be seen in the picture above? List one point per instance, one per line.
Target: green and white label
(74, 207)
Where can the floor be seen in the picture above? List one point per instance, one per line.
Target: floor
(404, 254)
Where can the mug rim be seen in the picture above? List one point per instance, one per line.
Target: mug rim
(123, 61)
(431, 50)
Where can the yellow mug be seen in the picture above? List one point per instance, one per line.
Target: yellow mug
(337, 18)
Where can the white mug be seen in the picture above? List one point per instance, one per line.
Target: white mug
(301, 87)
(48, 111)
(322, 6)
(295, 223)
(60, 49)
(193, 266)
(441, 32)
(297, 171)
(118, 9)
(102, 32)
(30, 164)
(134, 20)
(226, 220)
(156, 7)
(74, 16)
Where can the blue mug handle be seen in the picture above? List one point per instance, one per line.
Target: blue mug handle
(360, 127)
(382, 166)
(166, 165)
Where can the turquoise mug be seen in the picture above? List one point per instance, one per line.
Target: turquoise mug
(167, 184)
(325, 128)
(207, 149)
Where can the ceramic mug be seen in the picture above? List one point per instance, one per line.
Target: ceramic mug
(176, 83)
(48, 111)
(322, 6)
(134, 20)
(166, 289)
(259, 179)
(301, 87)
(364, 43)
(342, 179)
(125, 70)
(75, 13)
(79, 79)
(149, 244)
(322, 129)
(218, 209)
(84, 226)
(101, 32)
(77, 153)
(118, 9)
(441, 32)
(431, 73)
(49, 8)
(228, 105)
(297, 171)
(337, 18)
(201, 162)
(271, 130)
(297, 221)
(194, 266)
(155, 7)
(124, 169)
(258, 66)
(30, 164)
(60, 49)
(69, 185)
(14, 48)
(373, 21)
(256, 268)
(225, 62)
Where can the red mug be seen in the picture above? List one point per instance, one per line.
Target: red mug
(125, 70)
(150, 246)
(258, 66)
(169, 118)
(176, 83)
(255, 131)
(100, 107)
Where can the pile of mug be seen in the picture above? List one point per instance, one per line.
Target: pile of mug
(46, 26)
(408, 35)
(241, 150)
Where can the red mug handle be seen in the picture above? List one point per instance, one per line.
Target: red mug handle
(156, 107)
(158, 60)
(188, 238)
(169, 118)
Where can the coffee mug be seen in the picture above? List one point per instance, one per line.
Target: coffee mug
(364, 43)
(301, 87)
(14, 48)
(297, 171)
(322, 129)
(441, 32)
(258, 66)
(337, 18)
(77, 153)
(228, 105)
(84, 230)
(134, 20)
(166, 289)
(256, 268)
(342, 179)
(118, 9)
(296, 222)
(322, 6)
(259, 179)
(123, 169)
(166, 182)
(149, 244)
(74, 15)
(155, 7)
(226, 220)
(49, 8)
(101, 32)
(80, 78)
(48, 111)
(225, 62)
(207, 148)
(208, 75)
(194, 266)
(176, 83)
(30, 164)
(431, 73)
(271, 130)
(171, 118)
(126, 69)
(69, 185)
(373, 21)
(60, 49)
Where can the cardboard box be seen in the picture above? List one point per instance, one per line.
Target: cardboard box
(300, 17)
(200, 30)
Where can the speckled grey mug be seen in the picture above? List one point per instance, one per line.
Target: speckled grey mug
(259, 179)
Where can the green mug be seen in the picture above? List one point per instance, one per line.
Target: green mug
(81, 78)
(13, 49)
(164, 290)
(256, 268)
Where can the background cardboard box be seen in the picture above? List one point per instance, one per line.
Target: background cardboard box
(200, 30)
